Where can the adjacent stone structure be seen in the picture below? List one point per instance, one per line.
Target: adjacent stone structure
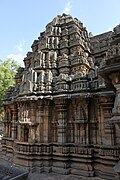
(63, 115)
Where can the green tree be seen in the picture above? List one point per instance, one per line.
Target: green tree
(8, 69)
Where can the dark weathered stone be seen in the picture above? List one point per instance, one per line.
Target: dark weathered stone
(61, 115)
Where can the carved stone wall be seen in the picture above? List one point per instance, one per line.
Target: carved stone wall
(63, 113)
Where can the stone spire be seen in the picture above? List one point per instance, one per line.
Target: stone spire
(60, 58)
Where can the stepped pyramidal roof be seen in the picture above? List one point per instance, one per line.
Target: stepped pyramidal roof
(60, 57)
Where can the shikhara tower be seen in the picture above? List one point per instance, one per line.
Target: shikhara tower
(63, 113)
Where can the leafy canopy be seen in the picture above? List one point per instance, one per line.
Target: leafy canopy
(8, 69)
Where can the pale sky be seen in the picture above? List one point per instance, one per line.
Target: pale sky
(21, 21)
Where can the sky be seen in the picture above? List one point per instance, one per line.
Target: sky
(21, 21)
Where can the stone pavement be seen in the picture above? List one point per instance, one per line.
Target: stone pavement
(53, 176)
(50, 176)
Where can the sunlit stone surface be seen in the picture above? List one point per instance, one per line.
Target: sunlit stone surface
(63, 114)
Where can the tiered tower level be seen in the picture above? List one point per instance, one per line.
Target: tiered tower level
(63, 113)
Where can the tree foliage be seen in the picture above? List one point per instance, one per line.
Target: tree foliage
(8, 70)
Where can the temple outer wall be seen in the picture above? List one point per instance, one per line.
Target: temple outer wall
(67, 144)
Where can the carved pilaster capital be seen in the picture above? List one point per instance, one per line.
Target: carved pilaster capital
(115, 77)
(106, 101)
(60, 103)
(32, 104)
(40, 103)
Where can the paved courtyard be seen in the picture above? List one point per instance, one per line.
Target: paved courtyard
(52, 176)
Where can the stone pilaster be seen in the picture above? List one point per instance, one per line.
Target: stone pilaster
(19, 132)
(33, 111)
(7, 121)
(108, 128)
(116, 109)
(61, 108)
(32, 132)
(32, 127)
(41, 119)
(14, 120)
(115, 120)
(5, 132)
(47, 114)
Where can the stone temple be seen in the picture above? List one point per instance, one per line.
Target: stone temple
(63, 115)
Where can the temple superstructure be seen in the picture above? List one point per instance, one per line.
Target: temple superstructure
(63, 113)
